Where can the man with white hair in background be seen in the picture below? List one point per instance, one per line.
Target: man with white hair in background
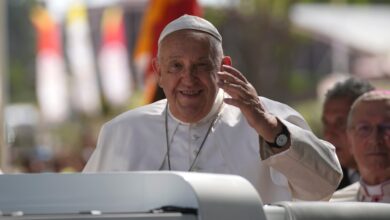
(369, 134)
(213, 121)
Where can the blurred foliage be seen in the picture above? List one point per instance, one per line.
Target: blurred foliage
(280, 62)
(262, 46)
(298, 82)
(312, 110)
(21, 47)
(258, 38)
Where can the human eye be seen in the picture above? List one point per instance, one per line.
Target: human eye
(385, 128)
(204, 66)
(175, 67)
(363, 130)
(340, 124)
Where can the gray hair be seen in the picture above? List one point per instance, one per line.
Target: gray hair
(351, 88)
(375, 95)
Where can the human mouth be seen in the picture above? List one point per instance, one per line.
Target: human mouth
(190, 92)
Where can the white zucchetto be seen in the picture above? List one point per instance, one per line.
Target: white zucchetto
(192, 23)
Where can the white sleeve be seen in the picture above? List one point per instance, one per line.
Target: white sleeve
(310, 165)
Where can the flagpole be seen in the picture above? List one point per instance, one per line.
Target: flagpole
(3, 90)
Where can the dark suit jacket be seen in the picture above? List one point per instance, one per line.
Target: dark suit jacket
(345, 181)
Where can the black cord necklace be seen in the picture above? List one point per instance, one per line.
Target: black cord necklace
(201, 145)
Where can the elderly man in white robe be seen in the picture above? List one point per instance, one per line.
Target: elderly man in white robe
(369, 134)
(213, 121)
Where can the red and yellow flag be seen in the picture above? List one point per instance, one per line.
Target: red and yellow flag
(51, 78)
(158, 14)
(116, 76)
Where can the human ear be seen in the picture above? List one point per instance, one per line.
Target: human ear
(227, 60)
(350, 140)
(157, 70)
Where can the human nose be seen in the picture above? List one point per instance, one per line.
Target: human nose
(189, 73)
(383, 130)
(377, 135)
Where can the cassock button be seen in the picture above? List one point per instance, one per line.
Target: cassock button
(195, 137)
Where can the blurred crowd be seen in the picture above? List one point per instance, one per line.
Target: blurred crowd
(43, 160)
(62, 159)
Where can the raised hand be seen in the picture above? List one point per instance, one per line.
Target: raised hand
(244, 96)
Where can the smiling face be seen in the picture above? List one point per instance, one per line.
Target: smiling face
(187, 67)
(369, 134)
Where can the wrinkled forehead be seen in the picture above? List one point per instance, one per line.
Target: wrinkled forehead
(381, 96)
(383, 104)
(186, 36)
(190, 43)
(371, 111)
(375, 103)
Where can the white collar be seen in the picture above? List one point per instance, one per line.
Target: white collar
(379, 189)
(216, 108)
(374, 189)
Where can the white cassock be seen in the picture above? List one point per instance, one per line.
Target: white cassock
(362, 192)
(136, 141)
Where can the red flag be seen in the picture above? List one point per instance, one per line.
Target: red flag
(113, 59)
(158, 14)
(52, 91)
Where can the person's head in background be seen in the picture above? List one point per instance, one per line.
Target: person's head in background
(338, 101)
(369, 134)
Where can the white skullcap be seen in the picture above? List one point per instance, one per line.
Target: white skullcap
(190, 22)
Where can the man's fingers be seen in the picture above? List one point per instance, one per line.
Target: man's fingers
(226, 78)
(235, 91)
(234, 72)
(244, 105)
